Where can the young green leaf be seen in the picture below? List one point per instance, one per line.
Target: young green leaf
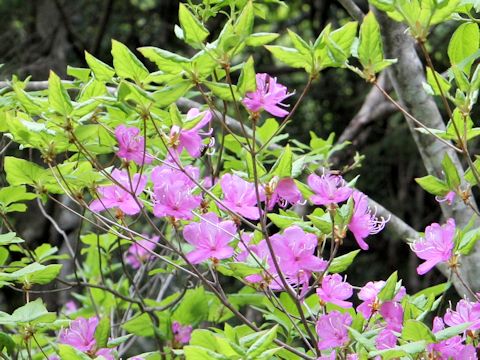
(451, 173)
(58, 96)
(126, 64)
(193, 30)
(433, 185)
(247, 81)
(464, 43)
(388, 291)
(414, 330)
(102, 332)
(101, 71)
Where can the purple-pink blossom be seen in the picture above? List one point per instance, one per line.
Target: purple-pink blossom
(386, 339)
(181, 333)
(268, 96)
(283, 192)
(363, 222)
(131, 145)
(332, 330)
(445, 349)
(240, 197)
(173, 192)
(190, 139)
(210, 237)
(368, 294)
(81, 335)
(436, 247)
(448, 198)
(465, 312)
(295, 253)
(141, 251)
(124, 197)
(392, 313)
(335, 290)
(329, 189)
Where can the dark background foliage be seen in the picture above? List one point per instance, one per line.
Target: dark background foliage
(39, 35)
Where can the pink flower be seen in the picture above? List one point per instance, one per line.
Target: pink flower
(239, 196)
(81, 335)
(285, 191)
(392, 313)
(466, 311)
(332, 330)
(181, 333)
(244, 245)
(140, 251)
(190, 139)
(294, 250)
(386, 339)
(368, 294)
(131, 145)
(268, 96)
(445, 349)
(210, 237)
(329, 189)
(436, 246)
(363, 222)
(331, 356)
(334, 290)
(70, 307)
(449, 197)
(173, 192)
(116, 196)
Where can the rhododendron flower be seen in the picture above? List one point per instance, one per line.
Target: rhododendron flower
(436, 247)
(363, 222)
(70, 307)
(285, 191)
(332, 330)
(190, 139)
(295, 256)
(392, 313)
(81, 335)
(244, 245)
(331, 356)
(334, 290)
(445, 349)
(172, 192)
(329, 189)
(268, 96)
(386, 339)
(131, 145)
(211, 238)
(465, 311)
(141, 251)
(239, 196)
(181, 333)
(116, 196)
(295, 252)
(368, 294)
(449, 197)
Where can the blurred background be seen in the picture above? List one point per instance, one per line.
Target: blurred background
(39, 35)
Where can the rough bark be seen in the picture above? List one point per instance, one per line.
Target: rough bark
(407, 77)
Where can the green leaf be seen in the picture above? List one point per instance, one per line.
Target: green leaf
(444, 84)
(167, 95)
(223, 91)
(464, 43)
(32, 311)
(102, 332)
(433, 185)
(34, 273)
(193, 30)
(300, 44)
(20, 172)
(140, 325)
(400, 351)
(244, 24)
(126, 64)
(263, 342)
(434, 290)
(451, 173)
(101, 71)
(469, 176)
(259, 39)
(468, 241)
(9, 238)
(388, 291)
(451, 331)
(283, 166)
(340, 41)
(370, 50)
(58, 96)
(7, 342)
(247, 81)
(193, 308)
(290, 56)
(166, 61)
(341, 263)
(414, 330)
(69, 352)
